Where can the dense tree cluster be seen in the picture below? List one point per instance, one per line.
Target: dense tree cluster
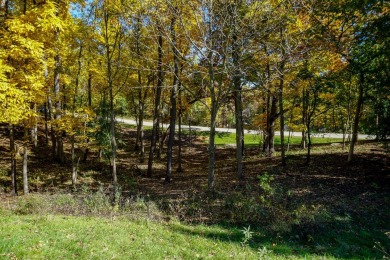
(304, 65)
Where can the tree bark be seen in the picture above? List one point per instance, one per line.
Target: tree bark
(34, 128)
(140, 144)
(308, 156)
(89, 90)
(46, 107)
(58, 147)
(272, 116)
(156, 104)
(25, 158)
(282, 144)
(111, 103)
(211, 148)
(213, 119)
(281, 109)
(179, 155)
(304, 118)
(13, 160)
(238, 108)
(173, 110)
(74, 167)
(357, 117)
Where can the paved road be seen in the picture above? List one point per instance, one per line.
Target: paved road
(232, 130)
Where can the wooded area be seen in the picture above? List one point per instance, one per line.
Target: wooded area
(70, 69)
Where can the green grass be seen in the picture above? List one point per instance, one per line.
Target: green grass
(69, 237)
(253, 139)
(91, 237)
(87, 226)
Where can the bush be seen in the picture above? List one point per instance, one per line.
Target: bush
(86, 203)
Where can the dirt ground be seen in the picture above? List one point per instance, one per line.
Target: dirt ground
(329, 181)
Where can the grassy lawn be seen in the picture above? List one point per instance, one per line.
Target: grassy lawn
(253, 139)
(250, 139)
(110, 233)
(70, 237)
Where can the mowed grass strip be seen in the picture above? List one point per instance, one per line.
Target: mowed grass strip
(254, 139)
(71, 237)
(67, 237)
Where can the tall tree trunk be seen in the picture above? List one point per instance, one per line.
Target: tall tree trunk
(58, 148)
(141, 99)
(89, 90)
(46, 124)
(76, 89)
(281, 109)
(74, 167)
(111, 105)
(213, 120)
(357, 117)
(238, 107)
(140, 131)
(304, 117)
(136, 113)
(173, 110)
(112, 130)
(288, 140)
(34, 128)
(308, 156)
(156, 104)
(52, 130)
(282, 144)
(273, 116)
(179, 155)
(267, 127)
(25, 158)
(57, 102)
(13, 160)
(348, 123)
(211, 178)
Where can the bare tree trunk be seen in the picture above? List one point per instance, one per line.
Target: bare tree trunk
(13, 160)
(161, 134)
(357, 118)
(189, 130)
(238, 107)
(52, 130)
(73, 156)
(59, 147)
(288, 140)
(281, 109)
(156, 104)
(89, 90)
(25, 158)
(139, 107)
(141, 133)
(348, 123)
(74, 167)
(271, 118)
(213, 119)
(304, 117)
(89, 87)
(173, 110)
(179, 156)
(308, 156)
(46, 124)
(34, 129)
(211, 178)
